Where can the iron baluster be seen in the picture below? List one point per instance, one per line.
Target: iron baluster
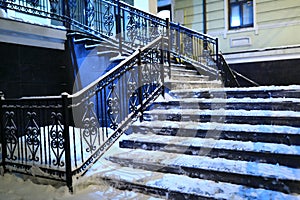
(132, 93)
(113, 109)
(33, 141)
(89, 13)
(178, 40)
(90, 127)
(131, 29)
(188, 46)
(140, 83)
(10, 136)
(54, 4)
(108, 19)
(57, 141)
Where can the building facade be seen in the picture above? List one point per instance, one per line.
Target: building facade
(257, 37)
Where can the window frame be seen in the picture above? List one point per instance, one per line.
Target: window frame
(240, 4)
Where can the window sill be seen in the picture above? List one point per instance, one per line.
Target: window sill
(240, 30)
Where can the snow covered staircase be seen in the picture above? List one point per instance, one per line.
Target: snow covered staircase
(183, 77)
(216, 143)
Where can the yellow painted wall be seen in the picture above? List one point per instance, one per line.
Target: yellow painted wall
(277, 23)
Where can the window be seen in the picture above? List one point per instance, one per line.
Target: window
(240, 14)
(130, 2)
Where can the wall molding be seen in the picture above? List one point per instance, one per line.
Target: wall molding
(23, 33)
(262, 55)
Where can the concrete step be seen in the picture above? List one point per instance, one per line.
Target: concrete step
(268, 117)
(288, 104)
(241, 132)
(252, 92)
(176, 186)
(177, 84)
(189, 77)
(250, 174)
(182, 71)
(281, 154)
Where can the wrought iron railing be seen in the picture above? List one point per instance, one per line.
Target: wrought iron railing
(192, 45)
(232, 78)
(120, 22)
(60, 137)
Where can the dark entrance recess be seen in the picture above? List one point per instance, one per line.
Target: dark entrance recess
(33, 71)
(280, 72)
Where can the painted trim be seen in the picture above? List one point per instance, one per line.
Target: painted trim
(16, 32)
(280, 53)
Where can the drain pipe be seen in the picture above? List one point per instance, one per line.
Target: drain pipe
(204, 17)
(204, 23)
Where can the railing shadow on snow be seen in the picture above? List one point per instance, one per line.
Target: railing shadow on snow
(60, 137)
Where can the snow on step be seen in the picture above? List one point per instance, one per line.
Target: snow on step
(223, 112)
(179, 84)
(189, 77)
(232, 100)
(212, 164)
(295, 88)
(195, 82)
(183, 71)
(217, 144)
(220, 126)
(185, 185)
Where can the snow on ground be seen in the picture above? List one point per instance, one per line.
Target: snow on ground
(89, 187)
(15, 188)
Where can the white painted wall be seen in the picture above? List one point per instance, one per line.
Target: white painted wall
(146, 5)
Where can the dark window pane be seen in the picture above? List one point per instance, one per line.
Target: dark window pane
(247, 14)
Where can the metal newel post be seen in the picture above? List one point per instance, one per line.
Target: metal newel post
(119, 27)
(162, 69)
(169, 40)
(140, 84)
(179, 40)
(217, 51)
(2, 135)
(65, 110)
(66, 14)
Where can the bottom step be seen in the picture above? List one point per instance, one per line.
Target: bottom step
(172, 186)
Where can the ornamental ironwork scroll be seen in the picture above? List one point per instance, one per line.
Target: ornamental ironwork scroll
(90, 12)
(90, 127)
(73, 8)
(113, 104)
(108, 19)
(132, 90)
(132, 28)
(10, 135)
(33, 3)
(32, 132)
(54, 4)
(57, 139)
